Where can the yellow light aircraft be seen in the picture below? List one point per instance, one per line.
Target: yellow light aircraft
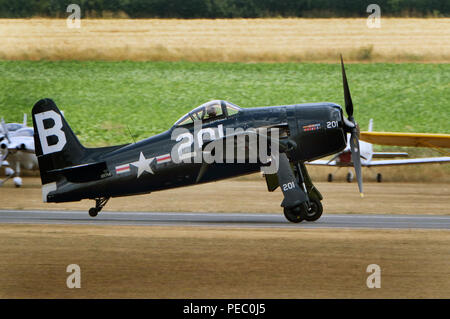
(407, 139)
(343, 159)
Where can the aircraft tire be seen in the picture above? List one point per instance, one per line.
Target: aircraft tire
(295, 214)
(315, 211)
(17, 181)
(330, 178)
(93, 212)
(379, 178)
(349, 177)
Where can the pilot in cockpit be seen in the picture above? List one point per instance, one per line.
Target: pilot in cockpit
(211, 111)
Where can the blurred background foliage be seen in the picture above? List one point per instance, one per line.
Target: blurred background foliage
(223, 8)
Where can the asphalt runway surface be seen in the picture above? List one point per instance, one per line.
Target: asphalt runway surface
(358, 221)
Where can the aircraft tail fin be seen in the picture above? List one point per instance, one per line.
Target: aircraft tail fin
(56, 145)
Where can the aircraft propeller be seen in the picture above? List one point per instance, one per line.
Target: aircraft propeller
(352, 126)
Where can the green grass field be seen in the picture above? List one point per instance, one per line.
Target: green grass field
(101, 98)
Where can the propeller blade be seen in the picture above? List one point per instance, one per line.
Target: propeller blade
(356, 158)
(347, 95)
(353, 128)
(4, 157)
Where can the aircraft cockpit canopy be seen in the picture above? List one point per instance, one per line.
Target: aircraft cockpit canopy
(208, 112)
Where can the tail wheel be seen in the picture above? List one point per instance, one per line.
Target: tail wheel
(330, 178)
(93, 212)
(99, 204)
(315, 210)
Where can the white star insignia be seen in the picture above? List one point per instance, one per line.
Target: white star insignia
(143, 165)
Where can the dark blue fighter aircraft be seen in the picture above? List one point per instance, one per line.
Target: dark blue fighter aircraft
(71, 172)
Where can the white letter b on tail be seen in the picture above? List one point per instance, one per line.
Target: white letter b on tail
(55, 131)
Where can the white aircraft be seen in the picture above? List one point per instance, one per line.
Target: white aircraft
(12, 127)
(344, 158)
(17, 150)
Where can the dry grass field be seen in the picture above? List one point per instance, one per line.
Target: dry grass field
(158, 262)
(249, 195)
(200, 262)
(248, 40)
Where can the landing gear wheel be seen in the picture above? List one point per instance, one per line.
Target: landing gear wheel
(295, 214)
(99, 204)
(330, 178)
(17, 181)
(349, 177)
(379, 178)
(315, 211)
(93, 212)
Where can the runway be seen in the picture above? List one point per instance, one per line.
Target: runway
(224, 220)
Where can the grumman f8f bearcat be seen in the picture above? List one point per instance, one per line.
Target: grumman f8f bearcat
(71, 172)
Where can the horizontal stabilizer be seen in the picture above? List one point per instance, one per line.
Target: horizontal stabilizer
(83, 173)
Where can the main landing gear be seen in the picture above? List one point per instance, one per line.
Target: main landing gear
(379, 178)
(301, 199)
(310, 213)
(99, 204)
(309, 210)
(349, 177)
(15, 175)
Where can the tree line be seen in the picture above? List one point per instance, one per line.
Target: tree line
(223, 8)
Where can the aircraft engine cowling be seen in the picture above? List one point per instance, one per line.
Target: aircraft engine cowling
(319, 131)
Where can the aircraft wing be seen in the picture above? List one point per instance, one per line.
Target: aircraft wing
(411, 161)
(407, 139)
(22, 144)
(388, 154)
